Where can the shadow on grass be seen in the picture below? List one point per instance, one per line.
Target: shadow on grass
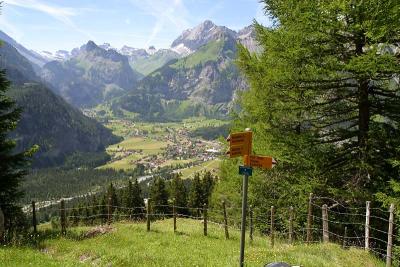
(36, 240)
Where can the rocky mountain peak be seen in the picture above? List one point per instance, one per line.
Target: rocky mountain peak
(191, 39)
(90, 46)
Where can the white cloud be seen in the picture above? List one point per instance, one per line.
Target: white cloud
(62, 14)
(164, 12)
(9, 28)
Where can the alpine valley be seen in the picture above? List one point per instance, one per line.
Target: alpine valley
(99, 107)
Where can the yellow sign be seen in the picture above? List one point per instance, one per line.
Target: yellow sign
(262, 161)
(240, 144)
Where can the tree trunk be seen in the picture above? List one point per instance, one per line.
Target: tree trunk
(363, 116)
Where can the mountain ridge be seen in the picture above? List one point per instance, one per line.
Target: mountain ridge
(47, 120)
(91, 76)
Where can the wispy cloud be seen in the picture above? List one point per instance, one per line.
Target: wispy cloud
(62, 14)
(10, 29)
(165, 12)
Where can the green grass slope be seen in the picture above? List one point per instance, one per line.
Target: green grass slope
(147, 65)
(130, 245)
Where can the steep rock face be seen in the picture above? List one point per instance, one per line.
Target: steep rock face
(247, 37)
(192, 39)
(91, 76)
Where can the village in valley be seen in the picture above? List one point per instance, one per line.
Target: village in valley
(157, 146)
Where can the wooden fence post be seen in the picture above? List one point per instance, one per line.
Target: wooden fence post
(109, 211)
(325, 225)
(205, 218)
(2, 228)
(174, 212)
(272, 226)
(251, 224)
(367, 217)
(309, 219)
(62, 216)
(345, 237)
(148, 207)
(34, 222)
(390, 237)
(225, 221)
(291, 225)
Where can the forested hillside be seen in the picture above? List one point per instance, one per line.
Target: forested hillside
(60, 130)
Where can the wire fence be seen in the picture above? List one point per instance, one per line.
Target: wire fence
(325, 220)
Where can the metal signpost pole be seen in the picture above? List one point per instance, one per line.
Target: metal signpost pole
(240, 144)
(243, 226)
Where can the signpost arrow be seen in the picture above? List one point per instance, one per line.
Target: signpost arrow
(264, 162)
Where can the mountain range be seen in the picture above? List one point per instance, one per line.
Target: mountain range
(196, 73)
(91, 76)
(61, 130)
(196, 76)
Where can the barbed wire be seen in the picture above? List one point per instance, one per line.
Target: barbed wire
(340, 215)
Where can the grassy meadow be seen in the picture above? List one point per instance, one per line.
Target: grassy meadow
(129, 244)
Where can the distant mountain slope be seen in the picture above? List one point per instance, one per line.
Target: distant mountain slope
(202, 83)
(18, 68)
(147, 63)
(192, 39)
(91, 76)
(207, 76)
(32, 56)
(60, 130)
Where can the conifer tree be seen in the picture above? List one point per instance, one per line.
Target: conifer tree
(87, 215)
(137, 200)
(75, 216)
(12, 164)
(207, 186)
(325, 94)
(133, 199)
(159, 196)
(112, 197)
(127, 197)
(196, 199)
(179, 193)
(94, 209)
(103, 208)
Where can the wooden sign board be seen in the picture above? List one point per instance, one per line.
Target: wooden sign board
(262, 162)
(236, 151)
(239, 144)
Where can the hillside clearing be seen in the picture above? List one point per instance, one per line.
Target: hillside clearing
(128, 244)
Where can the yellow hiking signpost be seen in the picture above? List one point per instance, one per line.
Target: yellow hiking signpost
(264, 162)
(240, 144)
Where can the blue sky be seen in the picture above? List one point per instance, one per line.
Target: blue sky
(65, 24)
